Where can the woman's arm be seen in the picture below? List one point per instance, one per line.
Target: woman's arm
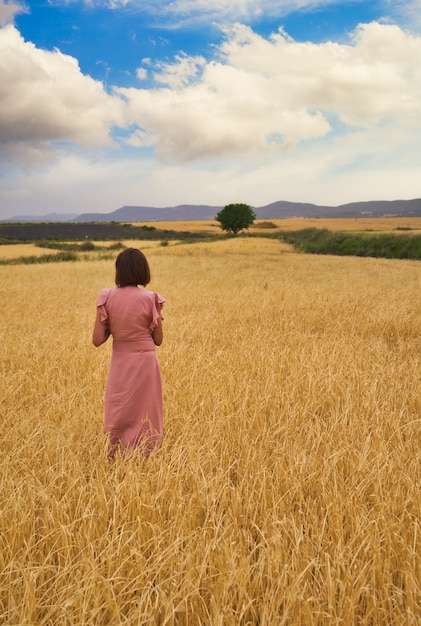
(158, 333)
(101, 332)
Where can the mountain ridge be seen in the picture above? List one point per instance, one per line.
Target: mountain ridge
(275, 210)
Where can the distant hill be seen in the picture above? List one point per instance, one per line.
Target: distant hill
(180, 213)
(49, 217)
(275, 210)
(278, 210)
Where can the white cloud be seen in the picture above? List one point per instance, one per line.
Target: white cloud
(189, 12)
(239, 9)
(141, 139)
(262, 95)
(45, 100)
(173, 14)
(407, 13)
(323, 174)
(376, 76)
(258, 96)
(8, 10)
(141, 73)
(181, 73)
(265, 119)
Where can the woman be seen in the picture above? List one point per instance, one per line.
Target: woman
(133, 393)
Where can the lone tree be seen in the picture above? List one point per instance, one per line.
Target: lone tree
(236, 217)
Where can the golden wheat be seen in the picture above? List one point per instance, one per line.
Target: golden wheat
(375, 224)
(14, 251)
(287, 489)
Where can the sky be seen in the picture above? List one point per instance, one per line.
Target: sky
(106, 103)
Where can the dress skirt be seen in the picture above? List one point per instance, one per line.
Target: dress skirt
(133, 397)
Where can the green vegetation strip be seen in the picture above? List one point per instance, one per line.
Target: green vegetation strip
(381, 245)
(44, 258)
(86, 246)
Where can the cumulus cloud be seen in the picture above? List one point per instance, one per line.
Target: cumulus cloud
(259, 95)
(375, 76)
(259, 99)
(45, 101)
(8, 10)
(181, 72)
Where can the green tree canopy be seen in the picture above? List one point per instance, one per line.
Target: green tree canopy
(235, 217)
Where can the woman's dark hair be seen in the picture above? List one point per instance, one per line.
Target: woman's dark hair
(132, 268)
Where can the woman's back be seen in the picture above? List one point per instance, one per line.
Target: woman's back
(131, 312)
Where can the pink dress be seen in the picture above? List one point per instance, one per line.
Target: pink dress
(133, 393)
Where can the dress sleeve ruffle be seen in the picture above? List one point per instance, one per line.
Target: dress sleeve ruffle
(158, 303)
(101, 302)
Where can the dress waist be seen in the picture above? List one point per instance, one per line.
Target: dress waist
(144, 344)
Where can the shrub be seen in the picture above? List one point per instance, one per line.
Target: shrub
(385, 245)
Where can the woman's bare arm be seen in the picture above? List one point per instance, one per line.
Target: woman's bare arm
(158, 333)
(101, 332)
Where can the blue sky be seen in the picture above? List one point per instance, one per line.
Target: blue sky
(159, 103)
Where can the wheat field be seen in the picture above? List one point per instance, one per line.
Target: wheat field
(349, 224)
(287, 489)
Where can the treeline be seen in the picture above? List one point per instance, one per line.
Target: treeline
(381, 245)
